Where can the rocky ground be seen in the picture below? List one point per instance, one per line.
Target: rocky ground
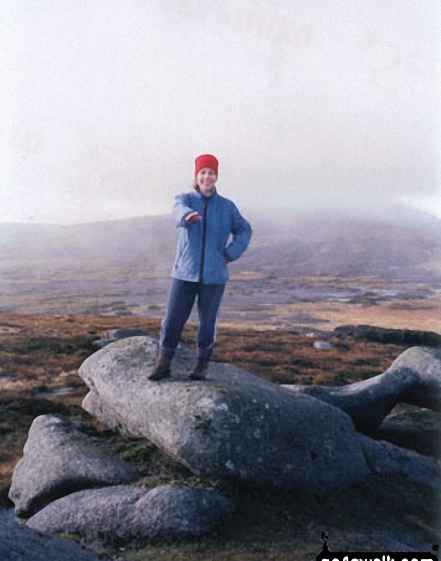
(40, 356)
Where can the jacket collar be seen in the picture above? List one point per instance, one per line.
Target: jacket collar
(201, 196)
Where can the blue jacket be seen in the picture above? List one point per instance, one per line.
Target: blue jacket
(203, 248)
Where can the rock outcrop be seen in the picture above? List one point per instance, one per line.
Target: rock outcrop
(238, 425)
(407, 337)
(235, 425)
(414, 377)
(59, 459)
(134, 514)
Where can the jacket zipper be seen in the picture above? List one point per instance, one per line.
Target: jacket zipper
(204, 233)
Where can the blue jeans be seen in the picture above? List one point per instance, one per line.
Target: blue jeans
(180, 303)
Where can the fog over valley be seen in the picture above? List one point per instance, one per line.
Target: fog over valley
(366, 260)
(300, 100)
(324, 118)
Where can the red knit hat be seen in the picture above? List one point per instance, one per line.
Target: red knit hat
(206, 161)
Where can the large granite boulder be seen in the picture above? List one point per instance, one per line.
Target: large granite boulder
(414, 377)
(235, 425)
(123, 514)
(58, 459)
(18, 543)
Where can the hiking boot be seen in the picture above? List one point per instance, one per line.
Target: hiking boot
(199, 372)
(161, 370)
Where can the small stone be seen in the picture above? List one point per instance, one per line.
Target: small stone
(323, 345)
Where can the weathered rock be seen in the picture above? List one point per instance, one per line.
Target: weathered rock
(18, 543)
(387, 459)
(367, 402)
(417, 429)
(235, 425)
(59, 459)
(113, 335)
(425, 364)
(414, 377)
(134, 513)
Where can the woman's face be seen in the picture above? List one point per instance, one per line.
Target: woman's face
(206, 179)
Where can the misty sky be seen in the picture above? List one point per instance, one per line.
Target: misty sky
(106, 103)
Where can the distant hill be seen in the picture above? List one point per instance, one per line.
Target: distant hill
(398, 243)
(324, 243)
(150, 239)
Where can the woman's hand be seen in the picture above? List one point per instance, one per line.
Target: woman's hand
(193, 217)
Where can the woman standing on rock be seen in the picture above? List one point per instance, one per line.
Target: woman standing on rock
(205, 221)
